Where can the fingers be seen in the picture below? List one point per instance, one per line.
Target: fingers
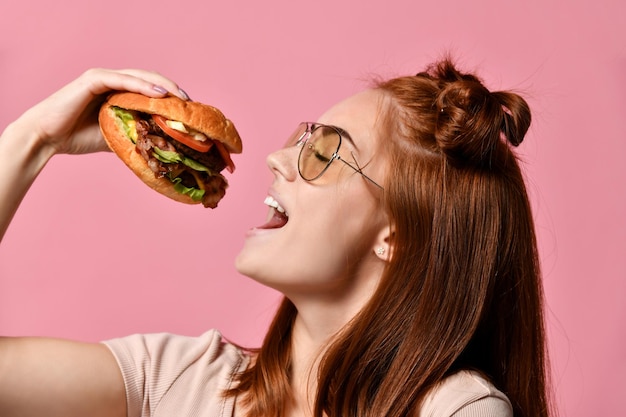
(60, 119)
(160, 83)
(149, 83)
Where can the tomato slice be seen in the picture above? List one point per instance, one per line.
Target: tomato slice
(230, 165)
(182, 137)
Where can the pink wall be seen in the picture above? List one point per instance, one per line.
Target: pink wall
(94, 254)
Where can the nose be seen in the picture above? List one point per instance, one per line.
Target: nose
(284, 162)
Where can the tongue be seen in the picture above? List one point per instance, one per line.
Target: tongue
(277, 220)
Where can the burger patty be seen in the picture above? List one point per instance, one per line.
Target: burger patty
(150, 135)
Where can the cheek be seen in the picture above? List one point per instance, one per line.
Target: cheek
(355, 221)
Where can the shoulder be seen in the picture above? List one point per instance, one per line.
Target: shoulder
(172, 372)
(466, 394)
(209, 347)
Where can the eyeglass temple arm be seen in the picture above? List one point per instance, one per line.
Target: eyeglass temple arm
(358, 169)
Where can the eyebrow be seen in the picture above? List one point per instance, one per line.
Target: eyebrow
(346, 135)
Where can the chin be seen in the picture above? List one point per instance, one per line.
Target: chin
(241, 264)
(247, 264)
(250, 267)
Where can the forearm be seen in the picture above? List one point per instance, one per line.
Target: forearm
(22, 157)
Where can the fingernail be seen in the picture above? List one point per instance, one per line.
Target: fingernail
(183, 94)
(159, 89)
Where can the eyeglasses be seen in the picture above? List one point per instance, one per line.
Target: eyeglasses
(319, 147)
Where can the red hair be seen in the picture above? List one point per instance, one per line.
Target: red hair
(462, 290)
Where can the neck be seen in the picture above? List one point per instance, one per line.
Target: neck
(319, 320)
(310, 339)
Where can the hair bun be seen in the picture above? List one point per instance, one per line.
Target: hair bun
(516, 118)
(472, 121)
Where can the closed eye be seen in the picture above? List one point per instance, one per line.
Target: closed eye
(318, 155)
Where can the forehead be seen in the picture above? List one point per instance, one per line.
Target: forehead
(359, 115)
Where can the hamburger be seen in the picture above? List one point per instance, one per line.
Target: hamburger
(178, 148)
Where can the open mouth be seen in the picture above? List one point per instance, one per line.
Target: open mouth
(278, 216)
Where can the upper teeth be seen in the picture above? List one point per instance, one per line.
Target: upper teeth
(273, 203)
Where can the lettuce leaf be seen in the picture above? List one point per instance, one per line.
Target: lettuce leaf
(194, 193)
(171, 157)
(128, 122)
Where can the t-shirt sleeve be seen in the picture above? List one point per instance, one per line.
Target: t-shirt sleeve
(169, 375)
(466, 394)
(489, 406)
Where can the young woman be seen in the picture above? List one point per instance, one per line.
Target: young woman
(416, 290)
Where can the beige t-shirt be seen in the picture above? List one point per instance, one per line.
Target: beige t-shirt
(169, 375)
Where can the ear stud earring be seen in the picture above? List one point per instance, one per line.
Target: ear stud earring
(380, 251)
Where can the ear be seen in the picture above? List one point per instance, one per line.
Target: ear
(382, 245)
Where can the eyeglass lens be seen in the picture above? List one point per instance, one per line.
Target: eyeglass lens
(317, 151)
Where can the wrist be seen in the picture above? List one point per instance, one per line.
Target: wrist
(22, 156)
(22, 149)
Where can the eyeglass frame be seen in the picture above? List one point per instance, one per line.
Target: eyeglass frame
(303, 139)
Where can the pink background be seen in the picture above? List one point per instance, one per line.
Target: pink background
(94, 254)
